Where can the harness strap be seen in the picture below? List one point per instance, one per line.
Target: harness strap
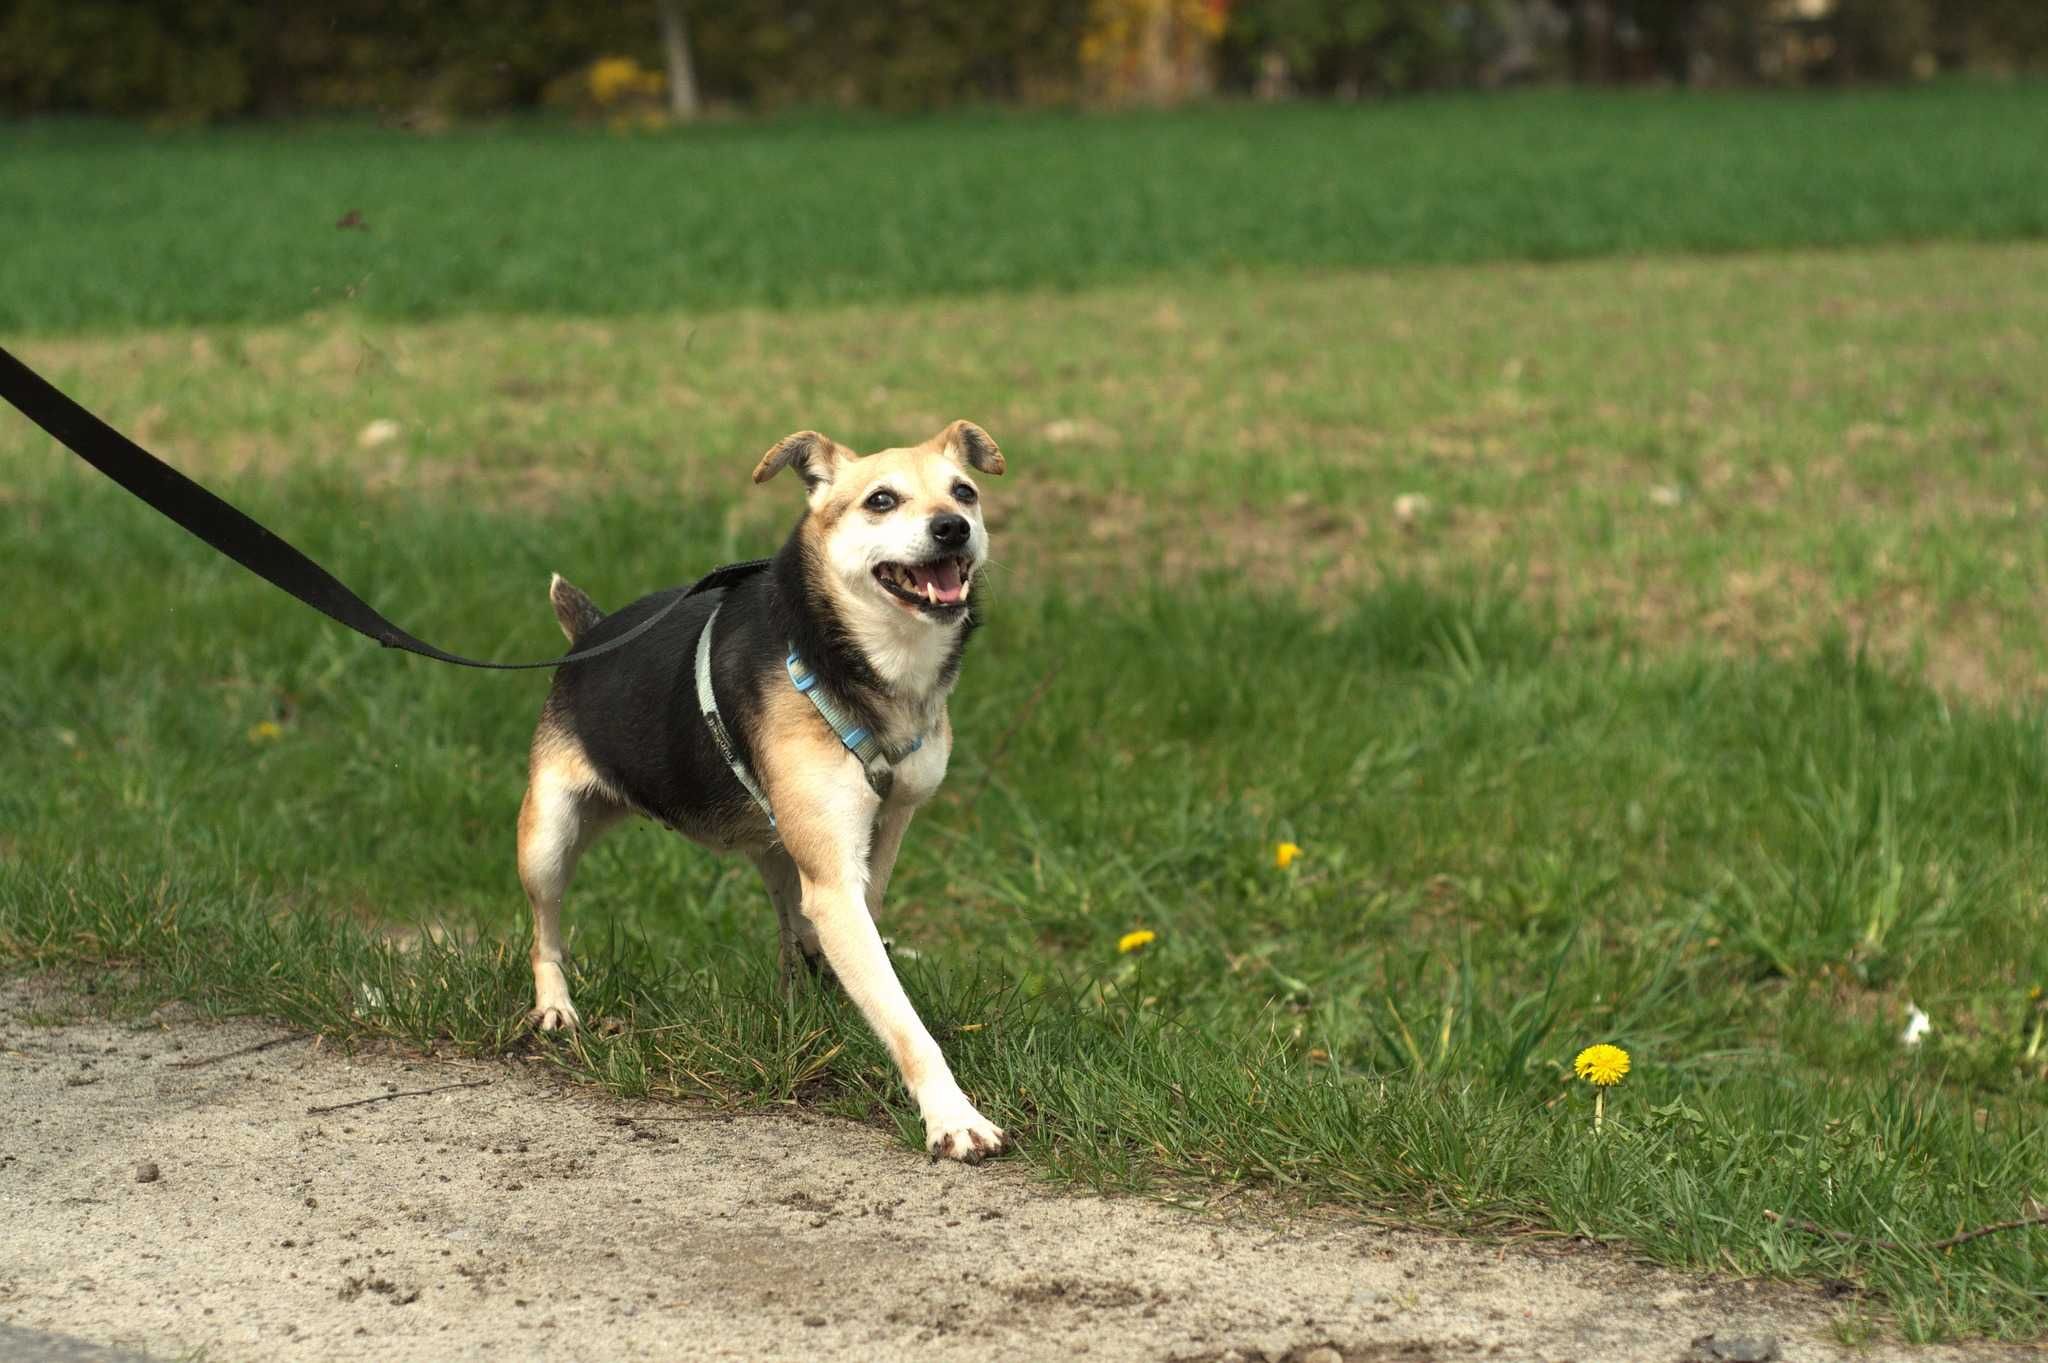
(877, 760)
(707, 701)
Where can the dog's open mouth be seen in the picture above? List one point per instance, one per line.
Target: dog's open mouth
(941, 585)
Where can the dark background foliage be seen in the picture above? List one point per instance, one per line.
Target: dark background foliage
(209, 59)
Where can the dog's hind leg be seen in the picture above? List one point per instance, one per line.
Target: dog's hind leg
(563, 813)
(801, 956)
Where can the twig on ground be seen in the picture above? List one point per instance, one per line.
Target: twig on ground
(2038, 1218)
(407, 1093)
(246, 1050)
(995, 756)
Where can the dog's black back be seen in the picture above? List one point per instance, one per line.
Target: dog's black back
(635, 711)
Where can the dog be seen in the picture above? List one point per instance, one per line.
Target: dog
(795, 715)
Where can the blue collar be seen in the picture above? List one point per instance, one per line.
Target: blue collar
(877, 759)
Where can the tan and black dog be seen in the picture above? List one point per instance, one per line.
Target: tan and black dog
(854, 630)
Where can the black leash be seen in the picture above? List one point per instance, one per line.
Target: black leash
(244, 540)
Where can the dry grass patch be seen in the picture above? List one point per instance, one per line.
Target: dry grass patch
(1744, 451)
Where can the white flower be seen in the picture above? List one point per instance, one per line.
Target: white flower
(1917, 1026)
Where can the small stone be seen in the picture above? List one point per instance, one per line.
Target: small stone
(147, 1172)
(382, 431)
(1322, 1354)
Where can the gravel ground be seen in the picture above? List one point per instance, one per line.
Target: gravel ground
(169, 1192)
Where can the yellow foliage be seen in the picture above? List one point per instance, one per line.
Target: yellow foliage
(613, 79)
(1153, 49)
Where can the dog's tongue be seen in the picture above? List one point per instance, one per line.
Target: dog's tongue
(942, 577)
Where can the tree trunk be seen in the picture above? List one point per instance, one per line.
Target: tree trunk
(1155, 55)
(682, 76)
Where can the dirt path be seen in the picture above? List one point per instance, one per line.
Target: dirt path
(515, 1219)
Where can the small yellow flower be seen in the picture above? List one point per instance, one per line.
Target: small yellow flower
(1131, 941)
(269, 731)
(1602, 1065)
(1284, 855)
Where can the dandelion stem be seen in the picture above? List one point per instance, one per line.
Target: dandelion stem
(1599, 1102)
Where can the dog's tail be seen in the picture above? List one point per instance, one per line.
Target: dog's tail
(574, 610)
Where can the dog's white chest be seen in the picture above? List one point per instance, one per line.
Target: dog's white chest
(908, 655)
(920, 773)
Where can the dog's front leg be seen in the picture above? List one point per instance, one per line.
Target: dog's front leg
(827, 822)
(952, 1127)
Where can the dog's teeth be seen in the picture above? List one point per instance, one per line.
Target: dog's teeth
(931, 593)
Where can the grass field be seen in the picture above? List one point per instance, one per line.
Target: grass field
(240, 225)
(1699, 710)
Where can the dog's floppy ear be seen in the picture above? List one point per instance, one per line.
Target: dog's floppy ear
(967, 444)
(813, 456)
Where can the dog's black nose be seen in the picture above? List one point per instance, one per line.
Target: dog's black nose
(950, 529)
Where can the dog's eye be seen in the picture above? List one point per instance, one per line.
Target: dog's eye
(964, 494)
(881, 499)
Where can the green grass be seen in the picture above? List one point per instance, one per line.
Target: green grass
(1738, 453)
(110, 226)
(1737, 872)
(1727, 775)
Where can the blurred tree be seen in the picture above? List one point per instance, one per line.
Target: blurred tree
(406, 59)
(1700, 42)
(1155, 51)
(912, 55)
(1883, 39)
(1349, 47)
(1997, 35)
(682, 72)
(412, 60)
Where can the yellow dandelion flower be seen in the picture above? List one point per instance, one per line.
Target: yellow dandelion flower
(1602, 1065)
(269, 731)
(1131, 941)
(1284, 855)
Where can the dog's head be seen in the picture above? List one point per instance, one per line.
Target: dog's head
(899, 531)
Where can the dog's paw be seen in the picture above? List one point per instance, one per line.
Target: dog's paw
(555, 1017)
(964, 1135)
